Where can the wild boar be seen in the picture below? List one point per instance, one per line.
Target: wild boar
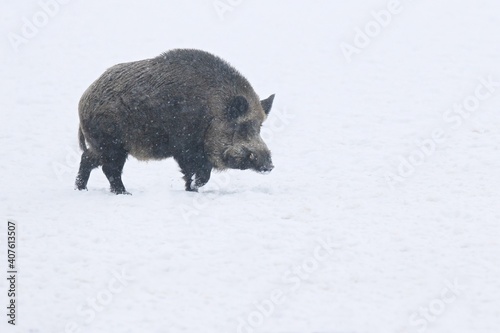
(186, 104)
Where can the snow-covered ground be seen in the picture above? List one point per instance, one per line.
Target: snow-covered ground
(381, 215)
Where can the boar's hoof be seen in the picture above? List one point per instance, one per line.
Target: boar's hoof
(120, 191)
(199, 182)
(196, 180)
(80, 187)
(191, 189)
(80, 184)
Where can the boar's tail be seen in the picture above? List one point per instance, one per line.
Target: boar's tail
(81, 139)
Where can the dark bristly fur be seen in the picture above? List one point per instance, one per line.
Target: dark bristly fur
(185, 104)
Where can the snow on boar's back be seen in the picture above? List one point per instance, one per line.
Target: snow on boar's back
(185, 104)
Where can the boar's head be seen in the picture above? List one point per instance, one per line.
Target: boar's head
(234, 141)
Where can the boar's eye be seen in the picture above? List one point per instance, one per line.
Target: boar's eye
(237, 107)
(247, 129)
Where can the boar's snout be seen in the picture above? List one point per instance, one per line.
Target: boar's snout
(267, 166)
(244, 158)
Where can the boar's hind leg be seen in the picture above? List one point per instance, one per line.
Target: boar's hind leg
(88, 162)
(112, 167)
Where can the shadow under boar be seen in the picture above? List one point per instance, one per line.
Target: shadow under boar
(186, 104)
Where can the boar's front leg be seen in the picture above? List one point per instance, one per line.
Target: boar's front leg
(202, 176)
(199, 169)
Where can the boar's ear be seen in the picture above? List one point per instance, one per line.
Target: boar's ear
(267, 104)
(237, 107)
